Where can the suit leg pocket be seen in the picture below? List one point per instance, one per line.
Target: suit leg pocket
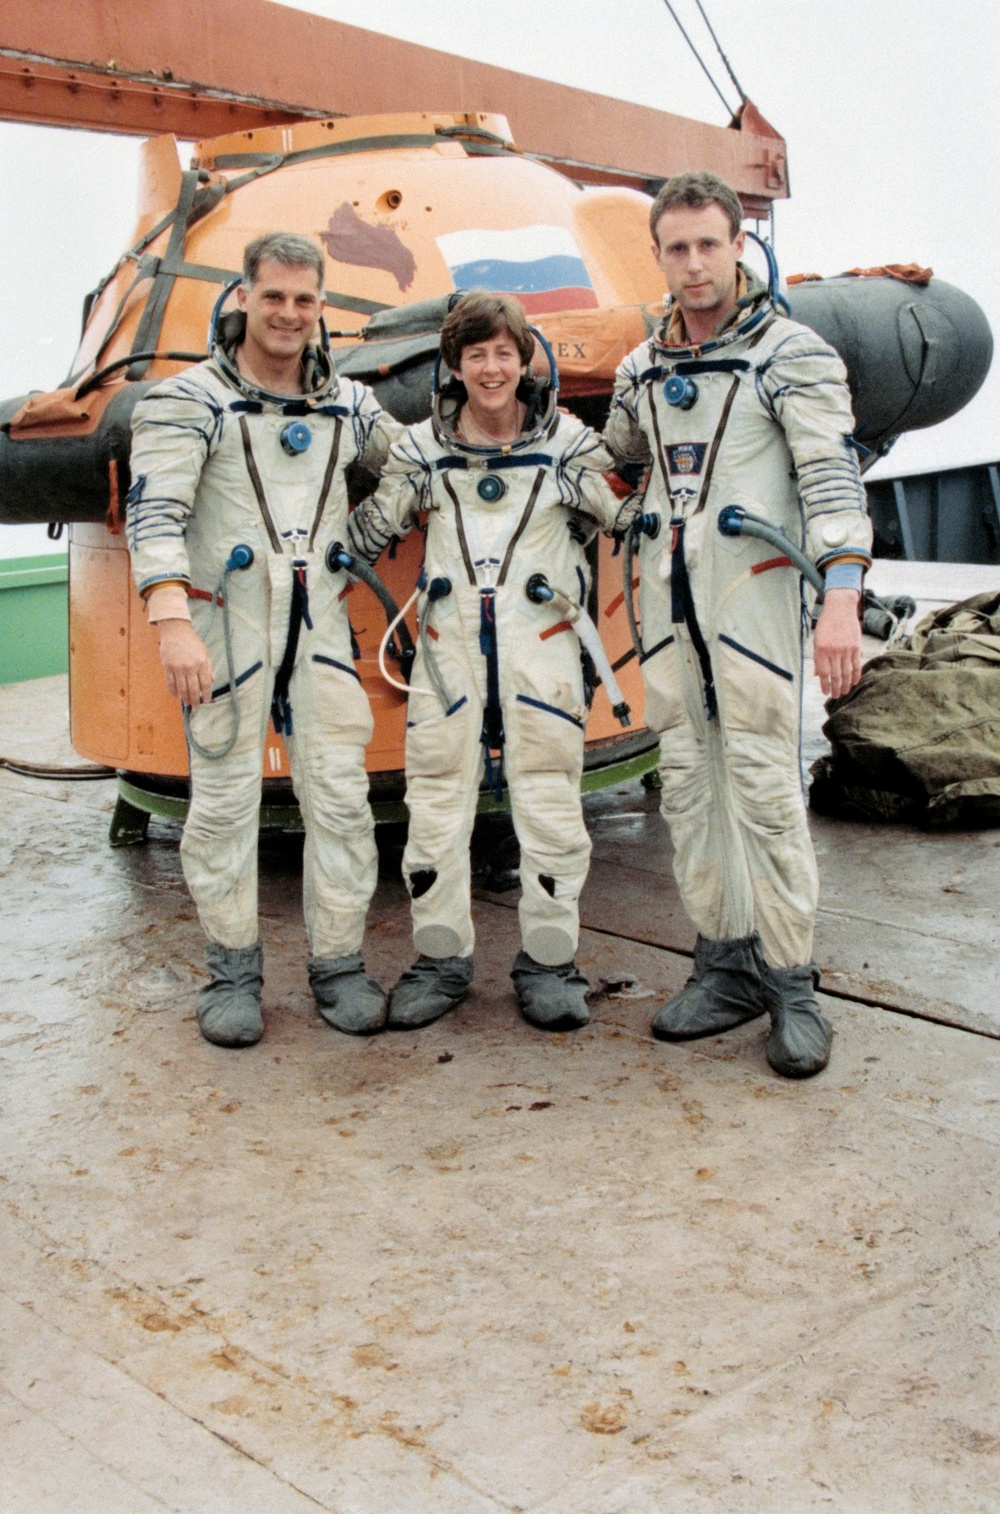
(546, 738)
(435, 746)
(757, 696)
(665, 707)
(343, 712)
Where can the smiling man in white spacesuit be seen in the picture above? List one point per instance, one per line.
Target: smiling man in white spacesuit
(733, 403)
(238, 469)
(513, 490)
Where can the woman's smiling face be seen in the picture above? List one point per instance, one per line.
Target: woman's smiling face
(491, 371)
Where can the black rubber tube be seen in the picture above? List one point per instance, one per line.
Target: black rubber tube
(753, 525)
(358, 568)
(96, 379)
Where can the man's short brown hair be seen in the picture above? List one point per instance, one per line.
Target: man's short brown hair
(285, 247)
(693, 190)
(477, 317)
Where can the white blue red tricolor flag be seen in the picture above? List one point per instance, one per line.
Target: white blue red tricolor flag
(540, 264)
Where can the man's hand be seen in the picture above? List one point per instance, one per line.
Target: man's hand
(186, 663)
(837, 642)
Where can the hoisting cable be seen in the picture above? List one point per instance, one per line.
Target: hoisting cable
(704, 65)
(95, 380)
(718, 45)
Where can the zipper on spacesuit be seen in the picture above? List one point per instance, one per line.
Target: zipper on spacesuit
(460, 529)
(258, 485)
(324, 491)
(521, 525)
(298, 614)
(493, 733)
(682, 611)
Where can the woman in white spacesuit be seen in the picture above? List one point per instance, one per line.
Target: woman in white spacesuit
(512, 489)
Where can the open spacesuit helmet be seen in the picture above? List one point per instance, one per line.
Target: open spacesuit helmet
(223, 329)
(541, 395)
(752, 317)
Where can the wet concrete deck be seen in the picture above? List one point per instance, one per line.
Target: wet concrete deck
(476, 1268)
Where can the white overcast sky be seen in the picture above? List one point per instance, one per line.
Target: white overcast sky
(887, 106)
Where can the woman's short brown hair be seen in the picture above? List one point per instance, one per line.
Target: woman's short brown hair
(477, 317)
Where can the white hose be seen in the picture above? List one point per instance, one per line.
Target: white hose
(590, 637)
(581, 622)
(403, 687)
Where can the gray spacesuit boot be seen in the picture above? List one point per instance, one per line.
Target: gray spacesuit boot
(229, 1004)
(345, 997)
(724, 990)
(550, 998)
(428, 989)
(799, 1043)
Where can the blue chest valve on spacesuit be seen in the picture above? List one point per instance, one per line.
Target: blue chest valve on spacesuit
(491, 488)
(295, 438)
(680, 391)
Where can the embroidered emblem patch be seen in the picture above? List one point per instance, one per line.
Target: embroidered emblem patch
(686, 457)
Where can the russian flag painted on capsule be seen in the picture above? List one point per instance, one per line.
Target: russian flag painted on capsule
(540, 264)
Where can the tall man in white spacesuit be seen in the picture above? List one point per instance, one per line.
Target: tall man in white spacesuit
(513, 489)
(238, 469)
(730, 403)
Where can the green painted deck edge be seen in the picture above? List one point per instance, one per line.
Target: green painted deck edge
(34, 618)
(29, 572)
(287, 817)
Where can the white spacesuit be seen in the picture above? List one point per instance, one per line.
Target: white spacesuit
(497, 683)
(759, 417)
(219, 465)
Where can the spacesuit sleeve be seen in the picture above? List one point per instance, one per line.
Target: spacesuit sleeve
(175, 428)
(393, 509)
(584, 490)
(623, 434)
(803, 385)
(377, 430)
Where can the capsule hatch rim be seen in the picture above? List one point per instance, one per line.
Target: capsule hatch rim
(169, 801)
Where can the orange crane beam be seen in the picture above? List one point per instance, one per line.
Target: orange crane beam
(204, 68)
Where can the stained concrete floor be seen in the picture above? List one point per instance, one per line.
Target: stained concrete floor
(475, 1268)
